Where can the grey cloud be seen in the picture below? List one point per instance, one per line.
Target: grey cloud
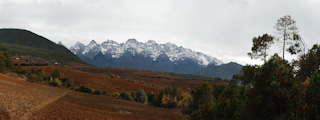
(221, 28)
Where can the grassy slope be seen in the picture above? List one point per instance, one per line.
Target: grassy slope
(23, 42)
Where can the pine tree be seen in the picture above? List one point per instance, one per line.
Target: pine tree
(260, 46)
(288, 31)
(141, 96)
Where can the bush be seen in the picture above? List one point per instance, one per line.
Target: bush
(141, 96)
(151, 97)
(36, 78)
(97, 92)
(134, 95)
(84, 89)
(56, 73)
(126, 96)
(67, 83)
(104, 93)
(116, 95)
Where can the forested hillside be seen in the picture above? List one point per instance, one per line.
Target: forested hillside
(25, 43)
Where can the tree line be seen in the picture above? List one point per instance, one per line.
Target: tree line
(277, 89)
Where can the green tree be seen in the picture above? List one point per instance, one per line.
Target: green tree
(229, 102)
(313, 96)
(287, 30)
(247, 74)
(126, 96)
(174, 91)
(260, 46)
(272, 85)
(3, 59)
(6, 63)
(9, 61)
(203, 103)
(67, 83)
(56, 74)
(151, 97)
(141, 96)
(309, 63)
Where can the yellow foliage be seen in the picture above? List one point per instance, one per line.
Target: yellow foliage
(93, 91)
(58, 81)
(185, 101)
(51, 79)
(307, 82)
(164, 100)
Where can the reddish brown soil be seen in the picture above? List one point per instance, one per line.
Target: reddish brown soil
(159, 79)
(98, 78)
(96, 81)
(85, 106)
(20, 99)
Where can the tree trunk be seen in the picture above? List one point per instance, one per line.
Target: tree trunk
(284, 46)
(265, 54)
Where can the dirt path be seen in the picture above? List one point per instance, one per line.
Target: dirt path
(28, 114)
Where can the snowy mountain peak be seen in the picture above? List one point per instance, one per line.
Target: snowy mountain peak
(148, 49)
(152, 41)
(109, 42)
(78, 47)
(79, 44)
(171, 44)
(132, 42)
(93, 42)
(92, 49)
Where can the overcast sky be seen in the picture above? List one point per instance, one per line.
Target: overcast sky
(220, 28)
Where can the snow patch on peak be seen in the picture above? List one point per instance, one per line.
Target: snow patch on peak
(79, 43)
(78, 47)
(110, 42)
(132, 41)
(148, 49)
(91, 49)
(152, 41)
(93, 42)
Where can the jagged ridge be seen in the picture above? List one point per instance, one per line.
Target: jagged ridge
(148, 49)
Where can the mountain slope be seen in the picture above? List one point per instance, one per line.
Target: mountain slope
(224, 71)
(23, 42)
(137, 55)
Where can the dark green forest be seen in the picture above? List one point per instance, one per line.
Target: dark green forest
(277, 89)
(23, 42)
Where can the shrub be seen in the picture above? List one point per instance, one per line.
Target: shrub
(97, 92)
(104, 93)
(55, 82)
(67, 83)
(126, 96)
(36, 78)
(56, 73)
(116, 95)
(84, 89)
(151, 96)
(134, 95)
(141, 96)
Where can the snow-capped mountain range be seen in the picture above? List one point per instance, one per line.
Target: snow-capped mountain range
(150, 55)
(148, 49)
